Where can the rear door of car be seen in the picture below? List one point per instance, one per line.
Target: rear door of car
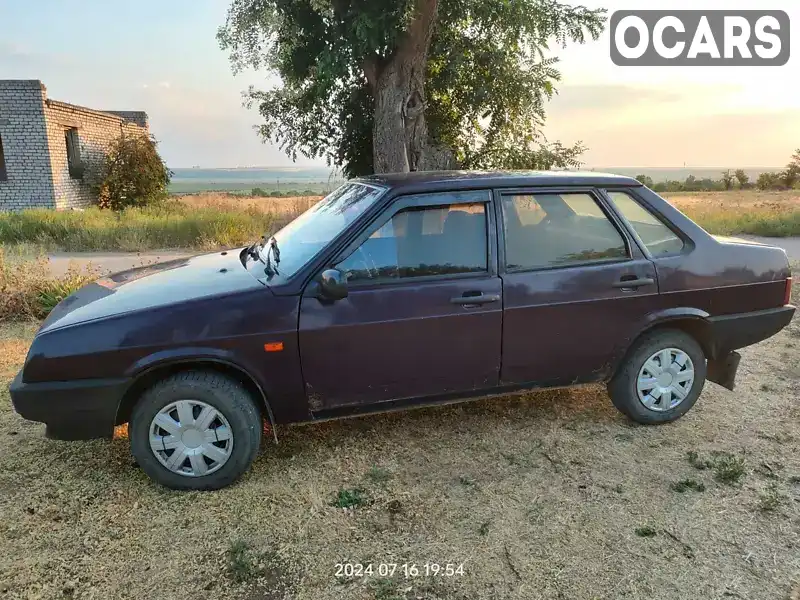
(575, 285)
(423, 316)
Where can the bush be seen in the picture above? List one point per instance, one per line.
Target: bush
(132, 174)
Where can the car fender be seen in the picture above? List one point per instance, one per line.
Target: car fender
(660, 318)
(176, 356)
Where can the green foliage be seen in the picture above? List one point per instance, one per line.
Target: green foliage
(645, 180)
(770, 181)
(349, 498)
(486, 81)
(742, 178)
(727, 179)
(132, 174)
(791, 176)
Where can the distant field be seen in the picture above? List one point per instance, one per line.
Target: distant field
(186, 186)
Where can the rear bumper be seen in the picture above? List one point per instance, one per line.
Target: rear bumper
(731, 332)
(83, 409)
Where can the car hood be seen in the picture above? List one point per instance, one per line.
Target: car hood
(152, 286)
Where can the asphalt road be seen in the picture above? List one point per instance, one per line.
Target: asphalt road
(112, 262)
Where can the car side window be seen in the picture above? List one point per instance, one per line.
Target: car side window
(659, 239)
(558, 229)
(420, 242)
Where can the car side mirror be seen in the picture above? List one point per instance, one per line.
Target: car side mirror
(333, 284)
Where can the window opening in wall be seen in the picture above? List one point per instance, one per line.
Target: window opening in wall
(3, 172)
(74, 153)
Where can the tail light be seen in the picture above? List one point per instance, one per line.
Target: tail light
(788, 297)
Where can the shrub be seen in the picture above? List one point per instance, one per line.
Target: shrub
(132, 174)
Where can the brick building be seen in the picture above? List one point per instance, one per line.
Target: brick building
(46, 146)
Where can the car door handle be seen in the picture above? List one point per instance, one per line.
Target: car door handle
(633, 283)
(480, 299)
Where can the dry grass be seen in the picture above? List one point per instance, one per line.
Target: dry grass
(291, 206)
(750, 211)
(539, 496)
(28, 291)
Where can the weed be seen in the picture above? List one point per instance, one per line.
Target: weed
(349, 498)
(645, 531)
(687, 484)
(770, 498)
(765, 387)
(242, 563)
(728, 469)
(484, 528)
(378, 475)
(794, 479)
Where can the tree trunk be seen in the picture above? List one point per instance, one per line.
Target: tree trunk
(400, 134)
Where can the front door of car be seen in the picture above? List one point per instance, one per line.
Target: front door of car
(423, 315)
(576, 287)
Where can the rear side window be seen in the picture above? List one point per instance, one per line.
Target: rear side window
(420, 242)
(555, 230)
(659, 239)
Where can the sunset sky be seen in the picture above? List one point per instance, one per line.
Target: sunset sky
(162, 57)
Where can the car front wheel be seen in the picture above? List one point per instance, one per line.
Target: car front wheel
(195, 430)
(661, 378)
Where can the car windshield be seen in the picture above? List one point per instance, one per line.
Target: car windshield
(309, 233)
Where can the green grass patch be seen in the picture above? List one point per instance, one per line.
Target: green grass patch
(170, 224)
(349, 498)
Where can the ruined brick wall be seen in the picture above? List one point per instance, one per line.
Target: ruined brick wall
(33, 132)
(95, 130)
(28, 180)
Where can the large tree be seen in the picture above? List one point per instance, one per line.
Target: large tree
(398, 85)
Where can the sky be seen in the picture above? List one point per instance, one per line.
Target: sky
(163, 58)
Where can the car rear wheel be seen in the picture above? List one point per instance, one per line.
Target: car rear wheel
(195, 430)
(661, 378)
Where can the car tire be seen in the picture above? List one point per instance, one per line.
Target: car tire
(217, 454)
(641, 365)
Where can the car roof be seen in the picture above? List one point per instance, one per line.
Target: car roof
(467, 179)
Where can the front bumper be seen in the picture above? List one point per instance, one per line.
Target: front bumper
(83, 409)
